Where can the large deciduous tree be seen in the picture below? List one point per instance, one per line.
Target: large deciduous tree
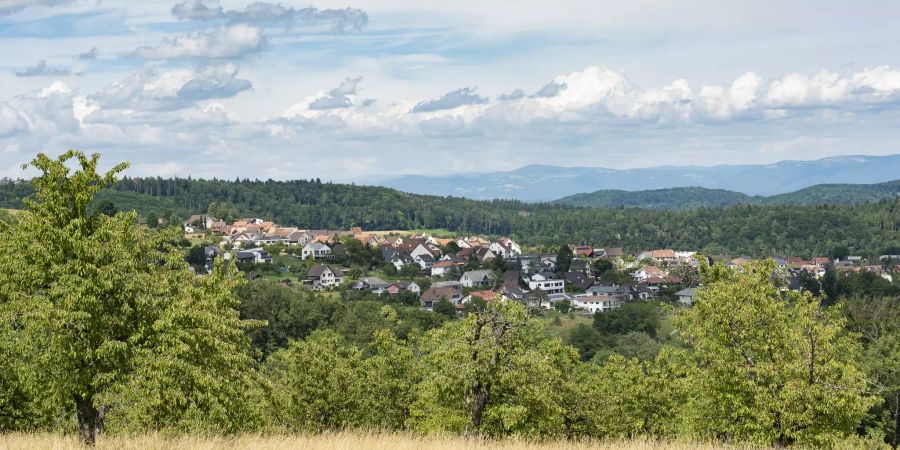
(100, 317)
(772, 367)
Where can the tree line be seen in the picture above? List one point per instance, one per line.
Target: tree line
(867, 229)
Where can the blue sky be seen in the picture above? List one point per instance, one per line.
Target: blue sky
(354, 90)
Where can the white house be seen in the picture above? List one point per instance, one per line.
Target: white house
(256, 255)
(547, 283)
(426, 249)
(646, 272)
(597, 303)
(321, 276)
(442, 268)
(476, 278)
(505, 247)
(315, 250)
(686, 296)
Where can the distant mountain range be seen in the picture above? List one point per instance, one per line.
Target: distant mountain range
(547, 183)
(698, 197)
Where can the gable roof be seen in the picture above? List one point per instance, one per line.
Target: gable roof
(437, 293)
(317, 270)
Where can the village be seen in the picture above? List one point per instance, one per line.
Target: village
(464, 269)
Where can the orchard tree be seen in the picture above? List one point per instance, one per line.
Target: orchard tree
(101, 317)
(773, 368)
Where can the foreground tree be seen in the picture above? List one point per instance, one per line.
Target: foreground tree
(100, 318)
(494, 373)
(772, 367)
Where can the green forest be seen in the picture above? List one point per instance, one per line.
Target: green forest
(698, 197)
(867, 229)
(103, 329)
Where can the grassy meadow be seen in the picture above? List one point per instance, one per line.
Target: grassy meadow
(328, 441)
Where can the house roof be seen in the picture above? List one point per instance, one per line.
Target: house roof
(686, 292)
(373, 281)
(478, 274)
(662, 254)
(317, 270)
(653, 271)
(436, 293)
(485, 295)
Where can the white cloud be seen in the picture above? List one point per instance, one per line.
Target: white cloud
(339, 97)
(341, 20)
(41, 69)
(154, 89)
(11, 6)
(450, 100)
(226, 42)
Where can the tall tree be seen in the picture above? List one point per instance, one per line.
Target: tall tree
(100, 316)
(773, 368)
(563, 259)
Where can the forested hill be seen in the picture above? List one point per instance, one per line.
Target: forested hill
(698, 197)
(755, 230)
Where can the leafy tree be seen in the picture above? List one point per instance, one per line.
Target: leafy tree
(602, 266)
(318, 384)
(586, 339)
(563, 259)
(840, 252)
(445, 308)
(877, 320)
(152, 219)
(106, 207)
(494, 373)
(102, 319)
(633, 316)
(772, 368)
(288, 313)
(563, 306)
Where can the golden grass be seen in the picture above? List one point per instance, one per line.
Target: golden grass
(327, 441)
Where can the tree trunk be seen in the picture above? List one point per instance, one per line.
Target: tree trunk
(87, 420)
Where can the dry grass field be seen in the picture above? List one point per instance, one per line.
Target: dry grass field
(331, 441)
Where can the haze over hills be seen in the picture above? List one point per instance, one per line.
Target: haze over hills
(698, 197)
(547, 183)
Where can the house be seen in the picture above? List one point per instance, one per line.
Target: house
(315, 250)
(505, 247)
(604, 290)
(638, 292)
(424, 261)
(582, 266)
(374, 284)
(426, 249)
(435, 294)
(578, 280)
(547, 282)
(442, 268)
(646, 272)
(484, 254)
(253, 255)
(583, 250)
(686, 296)
(597, 303)
(477, 278)
(612, 254)
(487, 296)
(194, 223)
(321, 276)
(410, 286)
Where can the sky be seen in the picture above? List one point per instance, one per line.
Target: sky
(356, 90)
